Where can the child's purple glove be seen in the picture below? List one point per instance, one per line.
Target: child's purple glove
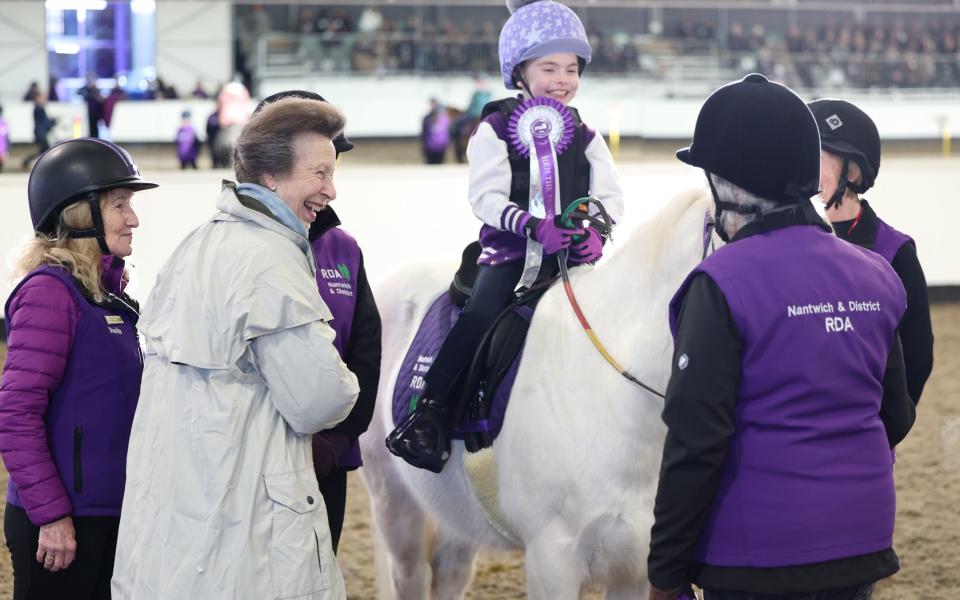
(587, 250)
(551, 236)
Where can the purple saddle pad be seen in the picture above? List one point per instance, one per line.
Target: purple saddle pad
(433, 330)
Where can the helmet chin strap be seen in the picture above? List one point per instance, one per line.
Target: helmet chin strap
(97, 230)
(837, 198)
(518, 77)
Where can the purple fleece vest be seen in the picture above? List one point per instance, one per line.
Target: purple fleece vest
(338, 263)
(808, 475)
(90, 415)
(889, 241)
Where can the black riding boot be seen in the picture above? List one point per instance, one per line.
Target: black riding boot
(423, 438)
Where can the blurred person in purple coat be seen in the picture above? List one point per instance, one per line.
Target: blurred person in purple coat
(187, 143)
(4, 140)
(435, 133)
(72, 374)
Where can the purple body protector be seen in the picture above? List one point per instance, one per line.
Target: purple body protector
(433, 330)
(808, 475)
(338, 263)
(889, 241)
(187, 145)
(90, 415)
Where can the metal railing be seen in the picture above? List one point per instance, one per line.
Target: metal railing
(645, 56)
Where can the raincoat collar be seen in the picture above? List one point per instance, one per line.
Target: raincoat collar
(231, 208)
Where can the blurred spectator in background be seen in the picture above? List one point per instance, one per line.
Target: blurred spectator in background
(199, 91)
(371, 20)
(464, 124)
(52, 94)
(32, 92)
(109, 103)
(94, 101)
(4, 140)
(435, 133)
(42, 125)
(213, 128)
(162, 91)
(187, 143)
(233, 112)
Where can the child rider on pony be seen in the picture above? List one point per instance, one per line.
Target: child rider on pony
(519, 185)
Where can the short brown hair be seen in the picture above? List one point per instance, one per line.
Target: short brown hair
(266, 143)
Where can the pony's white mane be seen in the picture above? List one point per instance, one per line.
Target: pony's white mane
(673, 230)
(654, 251)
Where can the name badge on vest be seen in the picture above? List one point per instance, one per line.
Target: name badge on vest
(114, 319)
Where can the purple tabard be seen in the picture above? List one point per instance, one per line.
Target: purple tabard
(338, 263)
(90, 415)
(889, 241)
(187, 144)
(808, 475)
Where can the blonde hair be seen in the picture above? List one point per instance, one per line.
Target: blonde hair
(79, 256)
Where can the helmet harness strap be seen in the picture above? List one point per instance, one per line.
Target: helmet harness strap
(518, 77)
(837, 197)
(97, 231)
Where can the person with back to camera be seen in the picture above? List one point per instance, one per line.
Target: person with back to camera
(72, 374)
(788, 387)
(543, 50)
(240, 371)
(342, 281)
(849, 165)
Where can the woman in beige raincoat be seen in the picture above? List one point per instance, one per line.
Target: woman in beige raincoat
(221, 500)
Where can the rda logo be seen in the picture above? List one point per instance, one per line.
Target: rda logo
(341, 272)
(834, 122)
(540, 128)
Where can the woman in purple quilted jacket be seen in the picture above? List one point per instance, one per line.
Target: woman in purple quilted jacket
(72, 374)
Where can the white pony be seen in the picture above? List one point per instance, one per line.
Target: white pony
(577, 461)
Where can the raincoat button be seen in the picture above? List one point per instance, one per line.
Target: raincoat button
(309, 499)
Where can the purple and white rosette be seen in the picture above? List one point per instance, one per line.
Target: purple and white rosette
(539, 129)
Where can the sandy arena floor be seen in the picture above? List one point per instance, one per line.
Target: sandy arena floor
(928, 492)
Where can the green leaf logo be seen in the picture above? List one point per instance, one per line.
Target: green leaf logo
(344, 270)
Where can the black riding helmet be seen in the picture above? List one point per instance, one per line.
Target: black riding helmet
(851, 134)
(76, 169)
(760, 136)
(340, 143)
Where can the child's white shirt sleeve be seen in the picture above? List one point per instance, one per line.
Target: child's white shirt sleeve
(604, 181)
(490, 175)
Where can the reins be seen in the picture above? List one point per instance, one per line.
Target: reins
(603, 226)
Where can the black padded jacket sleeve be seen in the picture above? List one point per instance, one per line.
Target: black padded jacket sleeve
(699, 414)
(897, 410)
(916, 332)
(363, 357)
